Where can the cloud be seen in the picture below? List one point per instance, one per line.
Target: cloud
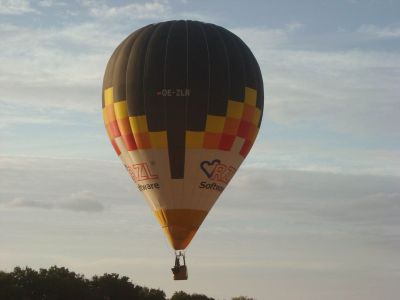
(319, 102)
(15, 114)
(271, 38)
(82, 201)
(349, 92)
(324, 155)
(66, 64)
(146, 10)
(375, 32)
(360, 202)
(16, 7)
(51, 3)
(339, 89)
(14, 120)
(19, 202)
(56, 184)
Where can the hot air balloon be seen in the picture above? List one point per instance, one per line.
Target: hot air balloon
(182, 106)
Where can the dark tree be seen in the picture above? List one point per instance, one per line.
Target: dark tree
(152, 294)
(28, 283)
(52, 284)
(9, 288)
(58, 283)
(62, 284)
(113, 287)
(181, 295)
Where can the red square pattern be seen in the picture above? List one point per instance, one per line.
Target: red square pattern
(114, 129)
(231, 126)
(244, 128)
(142, 140)
(129, 142)
(211, 140)
(248, 112)
(226, 142)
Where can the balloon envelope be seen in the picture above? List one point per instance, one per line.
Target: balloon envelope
(182, 106)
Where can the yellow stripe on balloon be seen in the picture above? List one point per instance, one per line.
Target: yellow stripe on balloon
(215, 124)
(121, 110)
(256, 116)
(235, 109)
(194, 139)
(158, 139)
(250, 96)
(108, 96)
(138, 124)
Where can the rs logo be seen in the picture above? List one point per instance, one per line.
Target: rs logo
(217, 171)
(140, 172)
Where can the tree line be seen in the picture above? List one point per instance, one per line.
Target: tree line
(59, 283)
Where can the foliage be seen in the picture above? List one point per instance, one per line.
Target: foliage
(181, 295)
(59, 283)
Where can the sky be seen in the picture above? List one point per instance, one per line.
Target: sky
(313, 213)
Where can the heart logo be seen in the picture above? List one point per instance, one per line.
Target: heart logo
(208, 167)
